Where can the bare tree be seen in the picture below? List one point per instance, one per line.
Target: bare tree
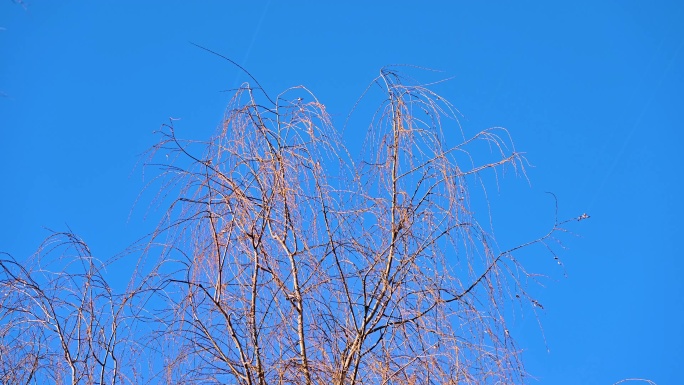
(286, 260)
(60, 320)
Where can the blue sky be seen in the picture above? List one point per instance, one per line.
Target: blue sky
(591, 91)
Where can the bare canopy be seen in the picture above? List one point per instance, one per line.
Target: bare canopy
(283, 259)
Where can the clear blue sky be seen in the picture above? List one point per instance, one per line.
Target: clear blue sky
(591, 91)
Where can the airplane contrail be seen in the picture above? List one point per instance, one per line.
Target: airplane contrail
(251, 44)
(637, 122)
